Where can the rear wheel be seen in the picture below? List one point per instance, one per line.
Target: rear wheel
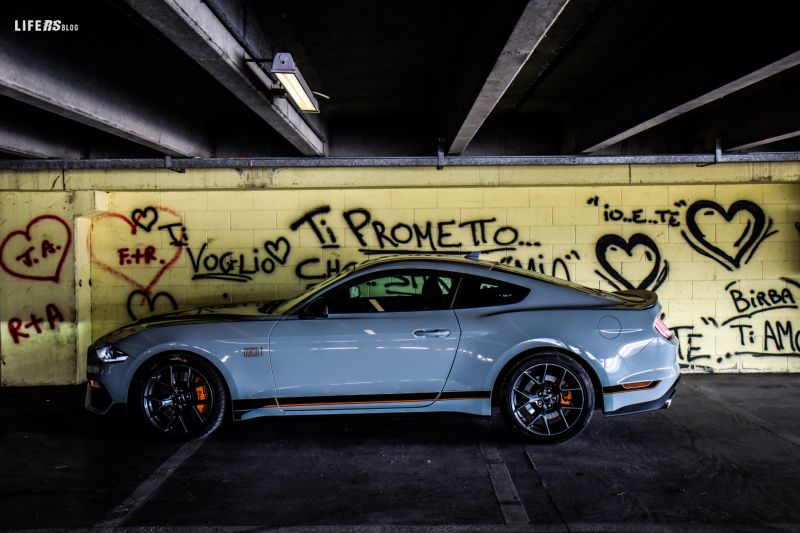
(181, 396)
(548, 398)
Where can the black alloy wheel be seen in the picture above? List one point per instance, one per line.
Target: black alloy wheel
(181, 396)
(547, 398)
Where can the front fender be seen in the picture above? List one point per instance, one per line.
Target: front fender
(238, 350)
(178, 348)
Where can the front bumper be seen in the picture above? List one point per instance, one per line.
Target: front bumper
(97, 400)
(106, 385)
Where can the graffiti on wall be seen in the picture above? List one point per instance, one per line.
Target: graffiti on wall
(610, 247)
(141, 304)
(153, 238)
(22, 328)
(666, 216)
(755, 325)
(747, 325)
(375, 237)
(138, 256)
(239, 267)
(447, 236)
(38, 251)
(765, 336)
(757, 229)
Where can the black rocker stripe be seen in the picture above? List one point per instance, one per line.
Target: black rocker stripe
(357, 398)
(256, 403)
(301, 401)
(614, 389)
(466, 395)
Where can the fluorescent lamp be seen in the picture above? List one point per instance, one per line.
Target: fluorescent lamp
(284, 68)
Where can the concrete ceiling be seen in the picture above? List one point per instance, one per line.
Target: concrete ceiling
(147, 78)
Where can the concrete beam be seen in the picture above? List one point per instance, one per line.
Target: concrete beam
(17, 138)
(86, 95)
(195, 29)
(781, 65)
(530, 31)
(764, 142)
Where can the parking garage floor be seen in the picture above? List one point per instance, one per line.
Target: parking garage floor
(725, 457)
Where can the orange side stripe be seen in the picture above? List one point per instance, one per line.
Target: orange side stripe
(364, 402)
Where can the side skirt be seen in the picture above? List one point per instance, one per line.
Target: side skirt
(471, 402)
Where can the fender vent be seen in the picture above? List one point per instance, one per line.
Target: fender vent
(251, 352)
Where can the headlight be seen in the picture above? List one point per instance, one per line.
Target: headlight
(110, 354)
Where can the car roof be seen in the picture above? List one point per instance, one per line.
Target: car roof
(464, 264)
(455, 260)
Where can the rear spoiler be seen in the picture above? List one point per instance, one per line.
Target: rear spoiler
(637, 298)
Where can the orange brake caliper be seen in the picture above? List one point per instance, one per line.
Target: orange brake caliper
(566, 397)
(202, 394)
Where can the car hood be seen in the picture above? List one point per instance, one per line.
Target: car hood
(222, 313)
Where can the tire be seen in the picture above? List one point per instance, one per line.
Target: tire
(180, 396)
(547, 398)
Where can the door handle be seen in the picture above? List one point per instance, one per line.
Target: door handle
(431, 332)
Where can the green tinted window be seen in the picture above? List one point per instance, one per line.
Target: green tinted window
(394, 292)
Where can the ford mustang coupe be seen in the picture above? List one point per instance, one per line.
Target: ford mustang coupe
(398, 334)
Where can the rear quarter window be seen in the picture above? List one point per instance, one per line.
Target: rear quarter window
(475, 291)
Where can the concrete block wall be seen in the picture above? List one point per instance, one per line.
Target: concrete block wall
(723, 256)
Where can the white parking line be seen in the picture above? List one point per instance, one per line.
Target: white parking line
(149, 486)
(504, 489)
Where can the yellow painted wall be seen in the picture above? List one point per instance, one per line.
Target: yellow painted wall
(37, 309)
(720, 244)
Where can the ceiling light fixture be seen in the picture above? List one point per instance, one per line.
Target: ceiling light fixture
(284, 68)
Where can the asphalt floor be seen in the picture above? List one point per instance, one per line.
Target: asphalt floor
(725, 457)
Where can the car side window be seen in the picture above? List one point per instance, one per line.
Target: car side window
(475, 291)
(391, 292)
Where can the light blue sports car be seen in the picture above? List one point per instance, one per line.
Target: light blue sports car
(397, 334)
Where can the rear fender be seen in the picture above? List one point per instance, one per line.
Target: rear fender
(534, 345)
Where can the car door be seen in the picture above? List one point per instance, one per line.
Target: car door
(382, 340)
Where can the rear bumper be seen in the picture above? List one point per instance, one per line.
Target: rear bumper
(662, 402)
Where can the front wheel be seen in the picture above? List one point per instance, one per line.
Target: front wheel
(180, 396)
(547, 398)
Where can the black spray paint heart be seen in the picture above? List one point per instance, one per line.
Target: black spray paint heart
(611, 243)
(278, 249)
(753, 234)
(148, 301)
(145, 218)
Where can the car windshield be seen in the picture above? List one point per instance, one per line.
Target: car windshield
(286, 305)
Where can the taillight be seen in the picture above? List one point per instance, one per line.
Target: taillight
(662, 329)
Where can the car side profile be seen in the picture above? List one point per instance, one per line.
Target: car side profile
(397, 335)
